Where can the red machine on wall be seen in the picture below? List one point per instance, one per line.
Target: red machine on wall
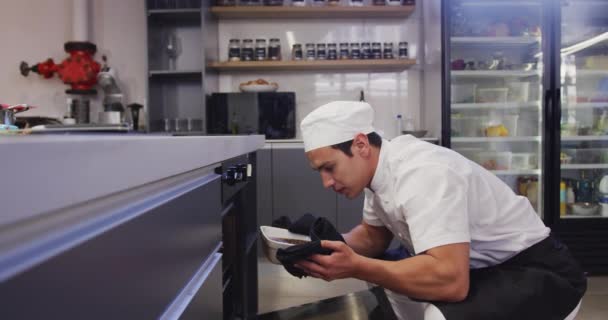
(79, 70)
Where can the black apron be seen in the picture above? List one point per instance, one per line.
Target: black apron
(543, 282)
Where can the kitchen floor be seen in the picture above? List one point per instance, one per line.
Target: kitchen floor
(279, 290)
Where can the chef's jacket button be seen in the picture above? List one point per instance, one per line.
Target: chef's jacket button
(400, 235)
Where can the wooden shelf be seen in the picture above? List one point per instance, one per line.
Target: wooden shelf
(328, 12)
(385, 65)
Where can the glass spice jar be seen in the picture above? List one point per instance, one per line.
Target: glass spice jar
(355, 51)
(319, 2)
(234, 50)
(321, 51)
(296, 52)
(343, 51)
(333, 2)
(310, 51)
(409, 2)
(274, 49)
(376, 50)
(366, 50)
(332, 51)
(260, 49)
(393, 2)
(403, 50)
(247, 50)
(356, 3)
(379, 2)
(298, 3)
(387, 52)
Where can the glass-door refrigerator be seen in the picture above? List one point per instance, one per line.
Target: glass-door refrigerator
(493, 83)
(579, 192)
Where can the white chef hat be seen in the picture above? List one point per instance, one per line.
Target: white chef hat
(336, 122)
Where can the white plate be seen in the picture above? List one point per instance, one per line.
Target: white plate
(259, 87)
(271, 246)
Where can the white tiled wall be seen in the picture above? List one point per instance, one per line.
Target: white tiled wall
(389, 93)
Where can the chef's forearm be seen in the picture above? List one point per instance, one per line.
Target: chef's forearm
(367, 240)
(421, 277)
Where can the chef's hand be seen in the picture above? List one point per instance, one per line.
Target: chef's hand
(342, 263)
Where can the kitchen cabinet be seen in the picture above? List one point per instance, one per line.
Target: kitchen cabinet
(287, 186)
(240, 233)
(133, 261)
(349, 212)
(145, 241)
(296, 188)
(177, 41)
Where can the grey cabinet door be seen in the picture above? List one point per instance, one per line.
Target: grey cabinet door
(297, 189)
(264, 186)
(350, 212)
(132, 271)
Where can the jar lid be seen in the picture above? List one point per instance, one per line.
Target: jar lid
(274, 39)
(403, 42)
(248, 40)
(260, 40)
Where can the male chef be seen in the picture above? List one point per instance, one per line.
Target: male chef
(479, 250)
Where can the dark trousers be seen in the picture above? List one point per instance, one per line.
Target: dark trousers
(543, 282)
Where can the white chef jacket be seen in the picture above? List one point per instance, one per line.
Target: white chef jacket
(429, 196)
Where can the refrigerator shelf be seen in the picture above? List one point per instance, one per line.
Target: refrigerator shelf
(497, 106)
(495, 73)
(500, 4)
(497, 139)
(584, 166)
(595, 216)
(585, 138)
(495, 40)
(516, 172)
(586, 72)
(585, 105)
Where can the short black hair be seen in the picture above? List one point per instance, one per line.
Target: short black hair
(374, 139)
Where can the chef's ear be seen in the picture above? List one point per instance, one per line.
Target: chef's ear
(361, 144)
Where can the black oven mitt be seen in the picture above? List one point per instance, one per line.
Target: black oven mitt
(321, 229)
(301, 226)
